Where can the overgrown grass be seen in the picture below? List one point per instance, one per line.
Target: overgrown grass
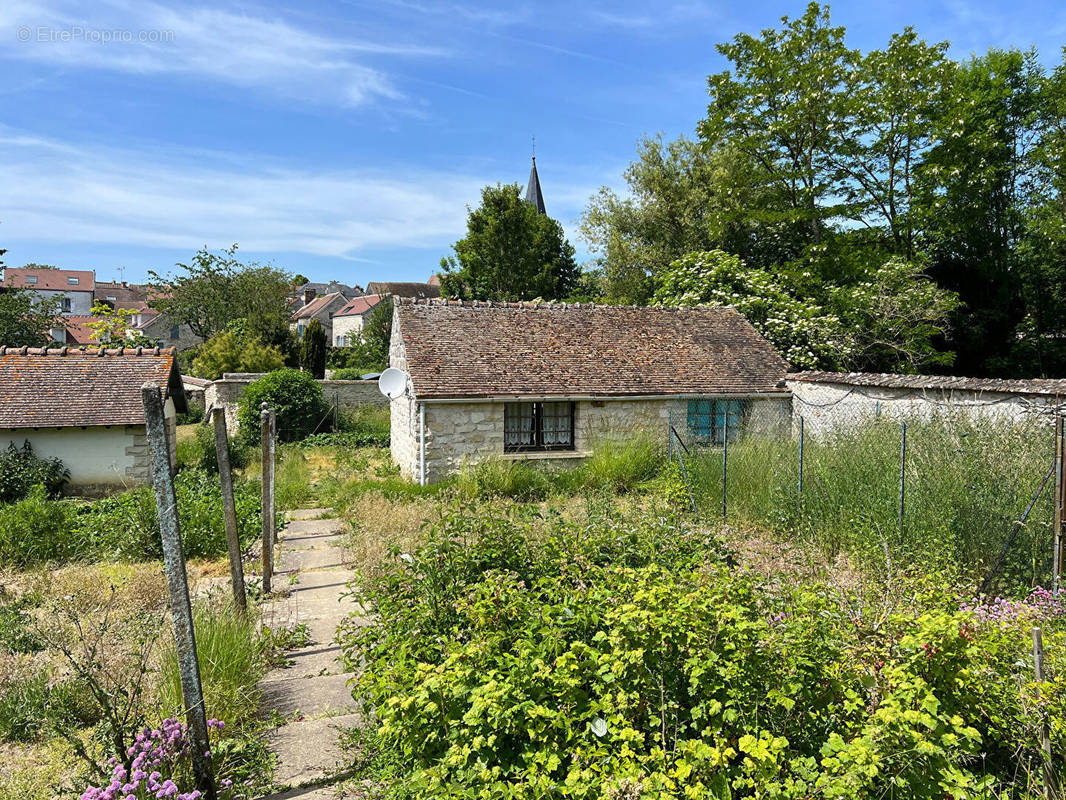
(231, 652)
(966, 483)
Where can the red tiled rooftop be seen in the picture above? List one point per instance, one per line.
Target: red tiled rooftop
(51, 279)
(359, 305)
(62, 388)
(556, 350)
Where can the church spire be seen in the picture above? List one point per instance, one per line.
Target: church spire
(534, 196)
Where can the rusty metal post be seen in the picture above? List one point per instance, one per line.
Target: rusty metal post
(902, 472)
(229, 508)
(166, 500)
(1045, 732)
(267, 499)
(1060, 502)
(799, 485)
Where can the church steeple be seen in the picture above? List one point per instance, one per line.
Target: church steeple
(534, 196)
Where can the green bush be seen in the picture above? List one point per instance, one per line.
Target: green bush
(31, 705)
(349, 373)
(296, 399)
(21, 470)
(528, 658)
(199, 451)
(194, 415)
(36, 530)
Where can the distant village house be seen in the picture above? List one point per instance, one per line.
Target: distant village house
(349, 321)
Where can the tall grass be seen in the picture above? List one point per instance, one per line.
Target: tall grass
(965, 485)
(230, 649)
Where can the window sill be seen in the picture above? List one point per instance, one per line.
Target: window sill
(545, 455)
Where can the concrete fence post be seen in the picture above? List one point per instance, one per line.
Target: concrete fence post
(229, 508)
(267, 461)
(166, 501)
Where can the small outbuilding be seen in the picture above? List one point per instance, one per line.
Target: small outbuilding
(545, 382)
(84, 407)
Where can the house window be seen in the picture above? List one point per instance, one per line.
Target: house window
(715, 421)
(174, 332)
(72, 281)
(31, 279)
(538, 426)
(66, 304)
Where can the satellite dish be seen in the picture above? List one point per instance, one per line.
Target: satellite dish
(392, 383)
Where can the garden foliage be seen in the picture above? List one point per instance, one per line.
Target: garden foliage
(297, 401)
(521, 657)
(21, 470)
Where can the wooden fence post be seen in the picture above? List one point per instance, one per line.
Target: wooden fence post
(267, 499)
(1045, 732)
(229, 507)
(166, 501)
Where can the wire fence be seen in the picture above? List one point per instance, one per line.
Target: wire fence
(955, 489)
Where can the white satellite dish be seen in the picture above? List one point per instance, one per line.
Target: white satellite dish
(392, 383)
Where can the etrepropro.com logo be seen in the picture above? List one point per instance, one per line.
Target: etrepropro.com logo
(79, 33)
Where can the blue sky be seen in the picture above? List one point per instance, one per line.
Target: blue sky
(344, 140)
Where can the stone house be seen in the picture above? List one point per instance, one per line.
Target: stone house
(74, 287)
(348, 322)
(84, 407)
(546, 382)
(321, 308)
(831, 400)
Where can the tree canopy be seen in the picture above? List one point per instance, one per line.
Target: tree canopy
(510, 252)
(916, 199)
(26, 320)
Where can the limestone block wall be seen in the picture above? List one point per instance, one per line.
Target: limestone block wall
(403, 422)
(826, 407)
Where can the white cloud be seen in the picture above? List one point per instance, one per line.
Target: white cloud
(236, 48)
(67, 194)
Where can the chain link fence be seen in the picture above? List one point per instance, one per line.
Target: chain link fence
(953, 488)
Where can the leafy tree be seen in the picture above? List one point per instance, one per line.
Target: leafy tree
(214, 289)
(25, 319)
(807, 335)
(313, 349)
(510, 252)
(235, 350)
(34, 265)
(783, 108)
(110, 324)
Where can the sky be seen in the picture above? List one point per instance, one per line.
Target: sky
(346, 140)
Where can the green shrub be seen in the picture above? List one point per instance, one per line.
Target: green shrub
(296, 399)
(232, 657)
(21, 470)
(16, 634)
(194, 415)
(30, 705)
(528, 658)
(350, 373)
(199, 451)
(37, 530)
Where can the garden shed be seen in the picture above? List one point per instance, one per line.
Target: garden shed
(84, 407)
(545, 382)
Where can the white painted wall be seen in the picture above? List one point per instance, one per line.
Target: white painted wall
(348, 326)
(830, 406)
(81, 302)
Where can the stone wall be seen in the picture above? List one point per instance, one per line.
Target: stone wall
(830, 406)
(347, 395)
(459, 433)
(403, 413)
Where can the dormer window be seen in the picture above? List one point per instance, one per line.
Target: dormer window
(31, 279)
(73, 281)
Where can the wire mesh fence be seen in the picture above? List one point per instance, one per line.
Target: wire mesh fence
(970, 493)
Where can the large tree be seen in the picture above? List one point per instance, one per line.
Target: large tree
(214, 289)
(510, 252)
(26, 320)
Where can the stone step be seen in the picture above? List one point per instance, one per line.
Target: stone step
(308, 751)
(322, 695)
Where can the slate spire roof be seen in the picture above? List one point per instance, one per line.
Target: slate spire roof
(534, 195)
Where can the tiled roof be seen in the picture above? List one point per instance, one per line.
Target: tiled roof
(62, 388)
(538, 350)
(404, 289)
(78, 330)
(317, 305)
(51, 279)
(359, 305)
(938, 383)
(127, 295)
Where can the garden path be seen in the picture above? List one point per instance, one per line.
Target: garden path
(310, 695)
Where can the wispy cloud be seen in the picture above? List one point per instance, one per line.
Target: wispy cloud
(237, 48)
(71, 194)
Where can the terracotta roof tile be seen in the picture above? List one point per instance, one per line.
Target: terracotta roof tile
(51, 279)
(940, 383)
(60, 388)
(477, 350)
(316, 305)
(359, 305)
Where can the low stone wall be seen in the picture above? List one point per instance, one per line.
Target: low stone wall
(346, 395)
